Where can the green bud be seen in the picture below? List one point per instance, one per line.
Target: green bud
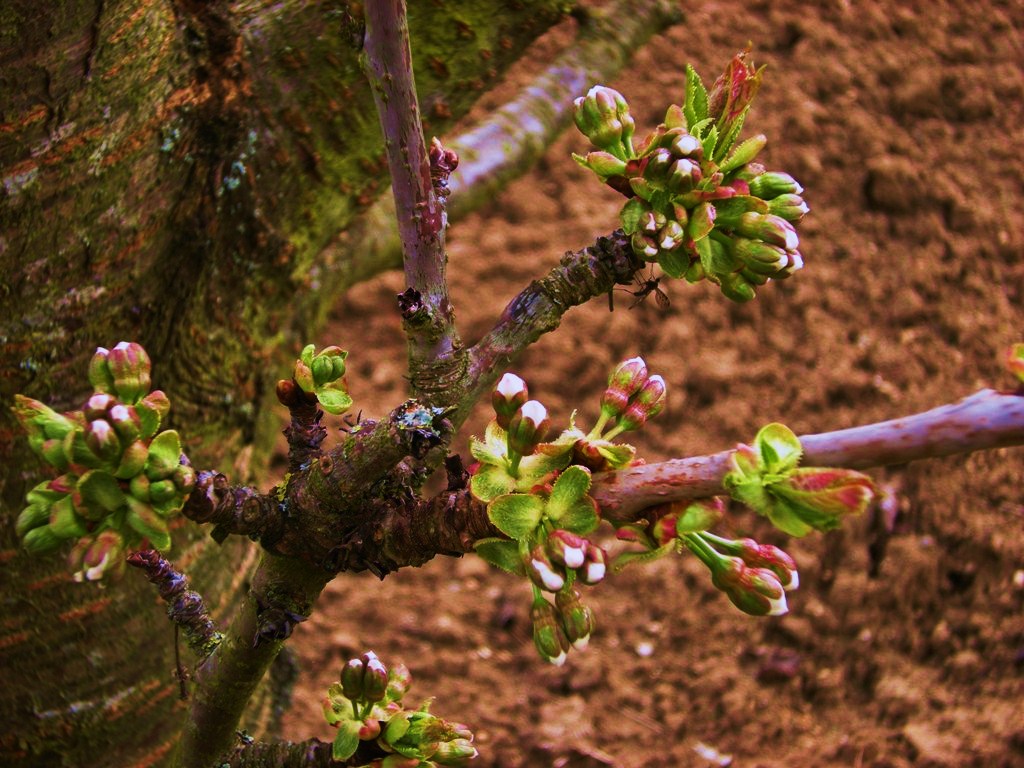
(671, 236)
(761, 257)
(770, 228)
(528, 427)
(129, 365)
(40, 540)
(99, 372)
(133, 460)
(685, 145)
(756, 591)
(375, 678)
(605, 164)
(790, 207)
(623, 383)
(657, 166)
(139, 487)
(161, 491)
(772, 184)
(399, 681)
(303, 376)
(645, 404)
(102, 440)
(40, 420)
(352, 679)
(577, 619)
(548, 635)
(683, 176)
(455, 753)
(184, 479)
(65, 523)
(322, 369)
(603, 117)
(644, 246)
(32, 516)
(702, 221)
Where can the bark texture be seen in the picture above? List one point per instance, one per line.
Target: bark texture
(170, 172)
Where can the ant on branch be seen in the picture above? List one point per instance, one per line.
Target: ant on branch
(645, 286)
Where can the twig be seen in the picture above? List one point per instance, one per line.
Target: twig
(538, 309)
(184, 606)
(304, 433)
(435, 355)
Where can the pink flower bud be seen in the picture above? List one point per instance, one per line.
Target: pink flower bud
(624, 382)
(528, 427)
(756, 591)
(543, 572)
(566, 548)
(129, 366)
(102, 440)
(645, 404)
(595, 565)
(508, 397)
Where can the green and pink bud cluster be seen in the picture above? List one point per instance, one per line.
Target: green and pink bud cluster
(755, 577)
(603, 117)
(121, 478)
(560, 627)
(320, 375)
(564, 557)
(699, 205)
(366, 706)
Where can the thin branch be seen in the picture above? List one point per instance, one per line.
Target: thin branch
(185, 607)
(538, 309)
(304, 433)
(234, 509)
(986, 419)
(512, 138)
(283, 754)
(435, 357)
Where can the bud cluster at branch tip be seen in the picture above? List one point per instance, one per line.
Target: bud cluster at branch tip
(698, 204)
(366, 706)
(121, 478)
(319, 375)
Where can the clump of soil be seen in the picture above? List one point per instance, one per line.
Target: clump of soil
(902, 121)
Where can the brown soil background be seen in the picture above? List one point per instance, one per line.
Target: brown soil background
(903, 122)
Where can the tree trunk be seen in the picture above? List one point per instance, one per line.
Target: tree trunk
(171, 171)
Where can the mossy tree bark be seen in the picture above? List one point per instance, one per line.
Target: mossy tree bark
(171, 173)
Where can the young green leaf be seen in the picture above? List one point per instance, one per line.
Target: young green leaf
(501, 553)
(516, 514)
(571, 486)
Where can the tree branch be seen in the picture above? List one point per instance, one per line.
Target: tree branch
(508, 143)
(538, 309)
(435, 354)
(986, 419)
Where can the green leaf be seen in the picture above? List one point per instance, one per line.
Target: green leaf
(721, 260)
(630, 215)
(675, 117)
(516, 514)
(101, 490)
(571, 486)
(501, 553)
(707, 255)
(743, 153)
(710, 141)
(695, 104)
(581, 518)
(65, 523)
(41, 540)
(491, 481)
(618, 455)
(729, 137)
(673, 263)
(486, 453)
(334, 401)
(729, 209)
(346, 740)
(145, 521)
(629, 558)
(822, 496)
(779, 448)
(787, 517)
(306, 356)
(164, 454)
(537, 468)
(699, 516)
(32, 516)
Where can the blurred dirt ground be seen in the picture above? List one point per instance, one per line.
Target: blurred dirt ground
(903, 122)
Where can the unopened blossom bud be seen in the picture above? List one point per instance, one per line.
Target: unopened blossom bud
(652, 221)
(133, 460)
(644, 246)
(125, 421)
(543, 572)
(129, 365)
(528, 427)
(671, 236)
(683, 176)
(352, 679)
(647, 403)
(657, 166)
(605, 164)
(595, 565)
(577, 619)
(774, 183)
(761, 257)
(102, 440)
(756, 591)
(184, 479)
(603, 117)
(702, 221)
(790, 207)
(455, 753)
(101, 555)
(96, 406)
(770, 228)
(375, 678)
(663, 530)
(796, 262)
(322, 369)
(566, 548)
(548, 635)
(99, 372)
(369, 730)
(399, 680)
(303, 376)
(624, 382)
(508, 397)
(686, 145)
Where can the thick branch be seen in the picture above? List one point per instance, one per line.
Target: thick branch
(429, 320)
(986, 419)
(282, 593)
(284, 754)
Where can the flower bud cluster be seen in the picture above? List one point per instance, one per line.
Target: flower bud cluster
(558, 628)
(603, 117)
(366, 705)
(564, 557)
(755, 577)
(321, 375)
(699, 206)
(121, 478)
